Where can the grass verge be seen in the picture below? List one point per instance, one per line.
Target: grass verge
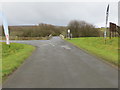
(13, 56)
(96, 45)
(25, 38)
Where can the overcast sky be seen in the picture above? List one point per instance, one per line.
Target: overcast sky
(59, 13)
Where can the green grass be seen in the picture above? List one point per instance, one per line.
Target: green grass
(95, 45)
(0, 64)
(13, 56)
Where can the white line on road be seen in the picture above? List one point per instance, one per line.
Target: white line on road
(66, 47)
(52, 44)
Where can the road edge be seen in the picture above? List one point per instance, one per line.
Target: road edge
(99, 58)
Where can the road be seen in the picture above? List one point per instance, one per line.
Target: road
(58, 64)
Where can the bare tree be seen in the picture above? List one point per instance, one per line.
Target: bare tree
(83, 29)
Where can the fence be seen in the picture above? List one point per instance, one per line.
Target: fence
(114, 30)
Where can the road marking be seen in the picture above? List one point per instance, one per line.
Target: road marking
(44, 45)
(48, 44)
(66, 47)
(52, 44)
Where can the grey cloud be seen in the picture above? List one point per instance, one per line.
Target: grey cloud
(58, 13)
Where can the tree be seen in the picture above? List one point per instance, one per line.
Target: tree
(82, 29)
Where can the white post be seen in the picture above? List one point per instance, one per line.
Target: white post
(6, 31)
(105, 32)
(7, 39)
(69, 33)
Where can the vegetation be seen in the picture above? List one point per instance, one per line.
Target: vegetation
(83, 29)
(95, 45)
(41, 30)
(25, 38)
(13, 56)
(0, 64)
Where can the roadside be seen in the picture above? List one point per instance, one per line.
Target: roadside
(13, 56)
(58, 64)
(96, 46)
(25, 38)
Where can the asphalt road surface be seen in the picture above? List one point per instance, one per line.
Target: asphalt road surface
(58, 64)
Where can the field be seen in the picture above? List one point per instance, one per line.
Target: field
(13, 56)
(33, 32)
(96, 46)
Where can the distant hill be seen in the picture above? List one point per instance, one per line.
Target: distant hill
(41, 30)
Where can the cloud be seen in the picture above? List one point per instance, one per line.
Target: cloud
(119, 14)
(0, 14)
(58, 13)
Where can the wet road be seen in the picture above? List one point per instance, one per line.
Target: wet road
(58, 64)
